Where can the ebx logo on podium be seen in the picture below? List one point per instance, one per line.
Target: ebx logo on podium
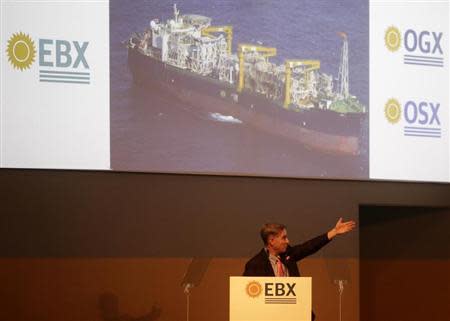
(270, 298)
(423, 47)
(274, 292)
(60, 61)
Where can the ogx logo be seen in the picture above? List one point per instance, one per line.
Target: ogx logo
(60, 61)
(423, 47)
(421, 117)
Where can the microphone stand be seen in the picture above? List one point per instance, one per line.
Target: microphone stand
(187, 291)
(340, 284)
(192, 278)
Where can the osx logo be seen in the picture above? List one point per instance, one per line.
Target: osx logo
(60, 61)
(421, 117)
(423, 46)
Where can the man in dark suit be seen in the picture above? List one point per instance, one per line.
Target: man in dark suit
(278, 258)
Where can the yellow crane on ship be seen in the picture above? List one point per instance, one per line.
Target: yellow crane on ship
(310, 65)
(248, 48)
(228, 30)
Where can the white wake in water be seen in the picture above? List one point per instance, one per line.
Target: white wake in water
(225, 118)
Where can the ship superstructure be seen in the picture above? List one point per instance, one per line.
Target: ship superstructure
(190, 42)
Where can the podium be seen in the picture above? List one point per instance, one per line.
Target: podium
(270, 298)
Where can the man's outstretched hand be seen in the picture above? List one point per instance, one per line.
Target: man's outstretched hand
(341, 228)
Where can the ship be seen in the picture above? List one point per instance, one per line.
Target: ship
(190, 59)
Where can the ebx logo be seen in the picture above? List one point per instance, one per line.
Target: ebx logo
(423, 47)
(421, 117)
(21, 51)
(274, 293)
(60, 61)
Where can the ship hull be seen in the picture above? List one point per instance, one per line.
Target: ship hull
(322, 130)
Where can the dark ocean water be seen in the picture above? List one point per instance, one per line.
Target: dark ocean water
(155, 133)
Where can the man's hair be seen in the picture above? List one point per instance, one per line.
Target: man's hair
(270, 229)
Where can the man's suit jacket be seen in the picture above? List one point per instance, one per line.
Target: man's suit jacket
(259, 265)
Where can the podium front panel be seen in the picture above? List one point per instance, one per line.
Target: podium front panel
(270, 298)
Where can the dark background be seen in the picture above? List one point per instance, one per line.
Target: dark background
(64, 231)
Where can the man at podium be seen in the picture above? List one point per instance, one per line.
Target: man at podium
(278, 258)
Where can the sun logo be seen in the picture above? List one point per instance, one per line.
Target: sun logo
(392, 38)
(21, 51)
(253, 289)
(392, 111)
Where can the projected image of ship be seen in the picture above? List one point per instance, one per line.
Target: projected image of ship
(192, 60)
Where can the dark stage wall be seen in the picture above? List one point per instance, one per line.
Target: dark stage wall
(78, 245)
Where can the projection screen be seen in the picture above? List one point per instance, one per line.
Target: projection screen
(324, 89)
